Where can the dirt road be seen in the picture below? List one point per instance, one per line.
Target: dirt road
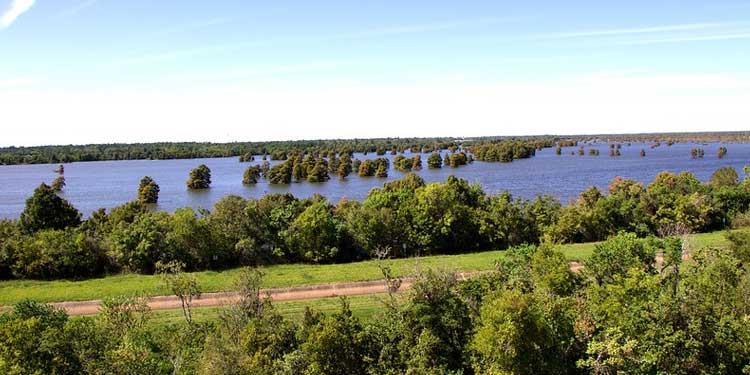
(277, 295)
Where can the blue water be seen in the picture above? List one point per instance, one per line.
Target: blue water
(91, 185)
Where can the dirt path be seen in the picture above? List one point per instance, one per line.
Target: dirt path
(277, 294)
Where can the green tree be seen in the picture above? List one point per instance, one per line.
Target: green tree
(319, 172)
(58, 184)
(334, 345)
(183, 285)
(725, 176)
(33, 340)
(381, 171)
(314, 234)
(416, 162)
(617, 255)
(46, 210)
(251, 175)
(200, 178)
(435, 161)
(140, 244)
(345, 166)
(148, 191)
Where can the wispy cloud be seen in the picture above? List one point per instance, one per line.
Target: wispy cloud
(372, 33)
(628, 31)
(183, 53)
(681, 39)
(17, 8)
(659, 34)
(258, 72)
(78, 8)
(422, 28)
(195, 26)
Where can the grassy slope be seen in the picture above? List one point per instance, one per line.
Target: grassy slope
(278, 275)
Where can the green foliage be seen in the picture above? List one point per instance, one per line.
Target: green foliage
(434, 161)
(725, 176)
(58, 184)
(183, 286)
(314, 234)
(45, 210)
(252, 175)
(142, 243)
(200, 178)
(148, 191)
(33, 340)
(52, 254)
(333, 344)
(504, 151)
(613, 258)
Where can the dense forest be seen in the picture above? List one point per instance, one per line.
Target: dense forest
(484, 148)
(50, 240)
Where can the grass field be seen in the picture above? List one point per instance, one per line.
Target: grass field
(279, 275)
(362, 307)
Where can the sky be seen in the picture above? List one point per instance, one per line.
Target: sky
(103, 71)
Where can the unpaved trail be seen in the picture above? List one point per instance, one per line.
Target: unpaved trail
(276, 294)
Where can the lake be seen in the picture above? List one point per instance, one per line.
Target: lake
(91, 185)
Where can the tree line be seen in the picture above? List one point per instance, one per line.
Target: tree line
(276, 150)
(625, 312)
(494, 148)
(50, 240)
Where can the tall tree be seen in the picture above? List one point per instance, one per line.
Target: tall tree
(46, 210)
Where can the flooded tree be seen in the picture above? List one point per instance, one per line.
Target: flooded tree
(200, 178)
(148, 190)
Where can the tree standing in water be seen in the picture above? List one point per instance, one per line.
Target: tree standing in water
(200, 178)
(148, 191)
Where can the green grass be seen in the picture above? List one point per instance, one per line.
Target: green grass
(362, 307)
(288, 275)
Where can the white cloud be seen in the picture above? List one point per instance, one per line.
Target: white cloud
(17, 8)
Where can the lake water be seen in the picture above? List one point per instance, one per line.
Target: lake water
(91, 185)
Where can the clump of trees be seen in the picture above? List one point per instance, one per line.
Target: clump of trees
(200, 178)
(456, 160)
(247, 157)
(504, 151)
(373, 167)
(435, 161)
(148, 191)
(51, 241)
(251, 175)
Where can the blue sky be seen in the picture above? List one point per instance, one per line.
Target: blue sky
(84, 71)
